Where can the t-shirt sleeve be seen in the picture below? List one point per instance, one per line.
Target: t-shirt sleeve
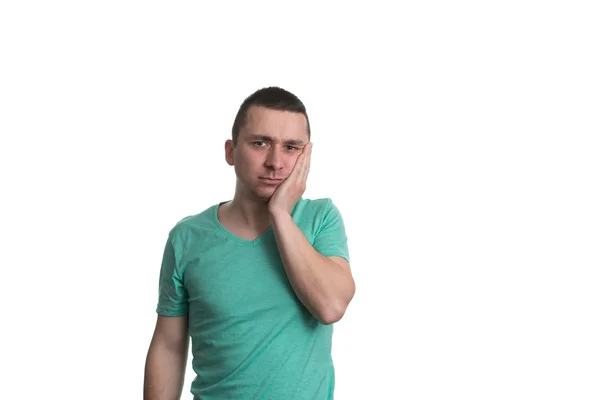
(331, 239)
(172, 294)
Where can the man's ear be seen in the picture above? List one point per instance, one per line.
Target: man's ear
(229, 152)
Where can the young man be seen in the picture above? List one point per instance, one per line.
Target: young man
(258, 281)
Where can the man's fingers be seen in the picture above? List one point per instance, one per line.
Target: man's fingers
(298, 168)
(306, 167)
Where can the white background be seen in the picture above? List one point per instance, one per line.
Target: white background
(459, 140)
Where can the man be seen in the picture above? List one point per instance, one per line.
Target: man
(258, 281)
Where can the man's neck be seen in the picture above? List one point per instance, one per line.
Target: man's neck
(252, 214)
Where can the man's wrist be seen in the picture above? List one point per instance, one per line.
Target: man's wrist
(279, 214)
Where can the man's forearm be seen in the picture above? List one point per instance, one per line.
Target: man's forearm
(164, 373)
(323, 286)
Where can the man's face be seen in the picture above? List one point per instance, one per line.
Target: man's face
(267, 148)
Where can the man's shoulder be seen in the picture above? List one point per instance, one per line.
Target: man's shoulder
(316, 202)
(312, 205)
(318, 207)
(194, 222)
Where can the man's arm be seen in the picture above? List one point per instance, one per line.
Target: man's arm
(323, 284)
(167, 356)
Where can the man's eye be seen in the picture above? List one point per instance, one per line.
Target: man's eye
(291, 148)
(259, 144)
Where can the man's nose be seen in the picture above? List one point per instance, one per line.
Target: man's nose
(274, 158)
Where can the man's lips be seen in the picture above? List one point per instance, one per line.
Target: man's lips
(270, 180)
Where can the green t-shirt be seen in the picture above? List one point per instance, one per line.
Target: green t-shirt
(251, 336)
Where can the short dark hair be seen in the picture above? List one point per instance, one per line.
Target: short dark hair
(272, 97)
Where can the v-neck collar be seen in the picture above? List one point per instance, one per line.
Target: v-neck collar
(235, 237)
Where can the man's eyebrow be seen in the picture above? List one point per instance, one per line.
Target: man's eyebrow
(295, 142)
(260, 137)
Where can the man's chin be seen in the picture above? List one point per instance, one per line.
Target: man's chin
(264, 193)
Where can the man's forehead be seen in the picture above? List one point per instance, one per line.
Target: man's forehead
(276, 124)
(260, 114)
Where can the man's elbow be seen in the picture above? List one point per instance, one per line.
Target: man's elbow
(330, 317)
(333, 313)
